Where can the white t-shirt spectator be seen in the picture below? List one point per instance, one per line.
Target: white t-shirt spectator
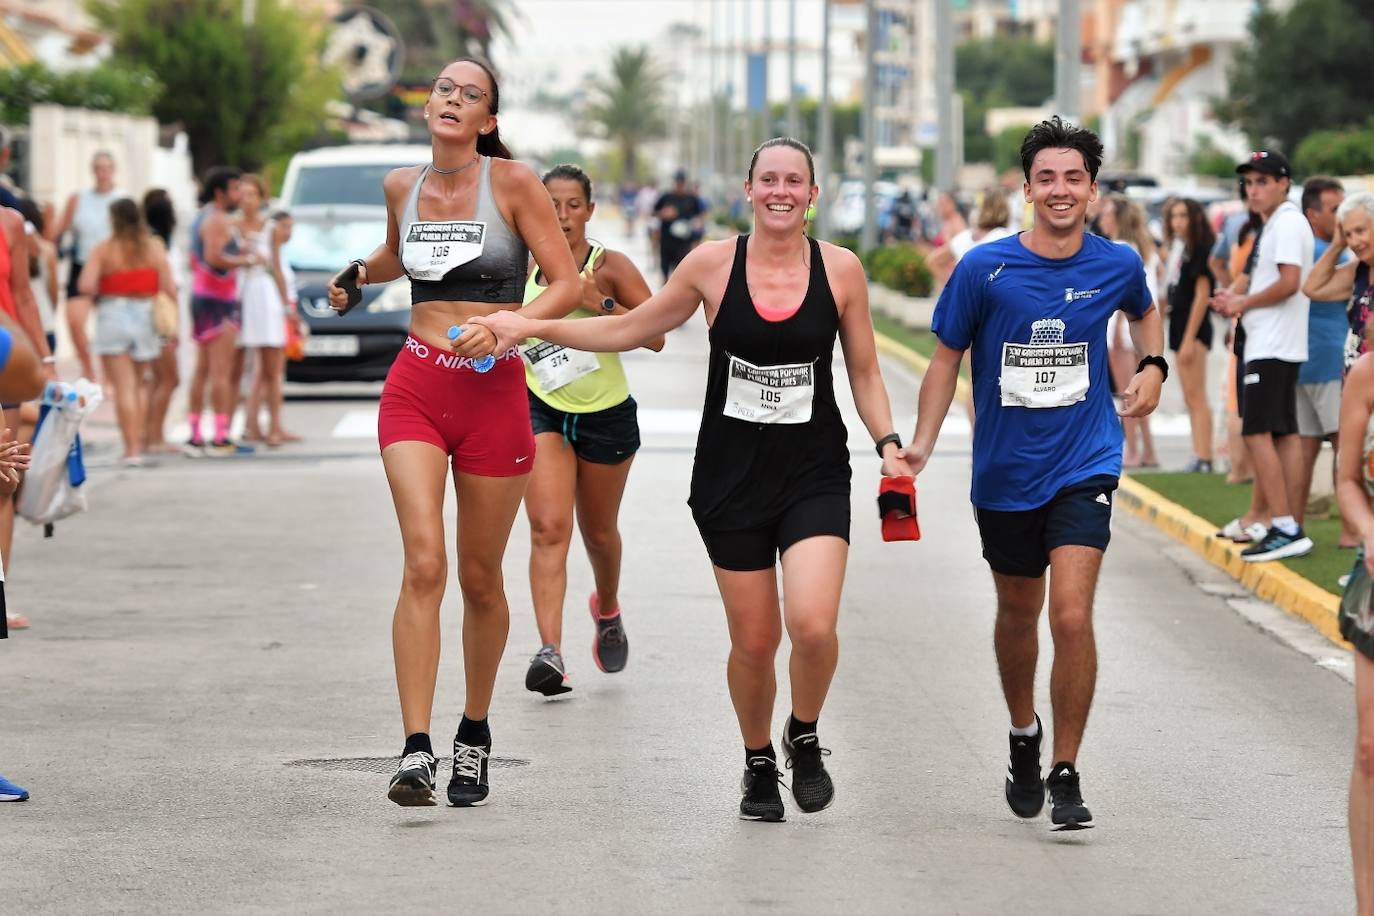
(1279, 331)
(964, 242)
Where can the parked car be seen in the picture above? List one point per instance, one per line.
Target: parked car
(361, 345)
(345, 175)
(848, 214)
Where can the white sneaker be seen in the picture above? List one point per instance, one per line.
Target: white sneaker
(1234, 531)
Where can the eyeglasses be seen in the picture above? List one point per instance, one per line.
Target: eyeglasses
(470, 94)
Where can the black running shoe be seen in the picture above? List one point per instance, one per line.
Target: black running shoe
(811, 785)
(547, 674)
(1067, 811)
(611, 649)
(413, 784)
(762, 801)
(468, 788)
(1025, 790)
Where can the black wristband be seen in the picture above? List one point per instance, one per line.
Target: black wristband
(1154, 361)
(890, 437)
(361, 262)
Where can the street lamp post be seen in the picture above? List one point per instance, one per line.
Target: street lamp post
(944, 98)
(825, 128)
(793, 120)
(869, 238)
(1068, 61)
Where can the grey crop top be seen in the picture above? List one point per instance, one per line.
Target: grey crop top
(476, 260)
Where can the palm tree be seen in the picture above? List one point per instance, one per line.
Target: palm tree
(438, 31)
(628, 106)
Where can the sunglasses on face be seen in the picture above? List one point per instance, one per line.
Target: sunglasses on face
(470, 94)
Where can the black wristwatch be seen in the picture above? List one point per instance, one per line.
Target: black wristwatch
(608, 305)
(1154, 361)
(882, 443)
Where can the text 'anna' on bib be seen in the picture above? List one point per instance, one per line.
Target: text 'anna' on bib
(769, 394)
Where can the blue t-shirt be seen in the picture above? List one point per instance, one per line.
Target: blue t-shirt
(1001, 297)
(1327, 326)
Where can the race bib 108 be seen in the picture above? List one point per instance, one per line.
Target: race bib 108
(431, 250)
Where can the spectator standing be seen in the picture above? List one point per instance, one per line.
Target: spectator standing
(1189, 288)
(645, 204)
(1123, 221)
(42, 267)
(681, 222)
(1319, 379)
(123, 274)
(1350, 280)
(1274, 316)
(165, 375)
(87, 217)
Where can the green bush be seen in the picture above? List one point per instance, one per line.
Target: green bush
(900, 267)
(1336, 152)
(107, 87)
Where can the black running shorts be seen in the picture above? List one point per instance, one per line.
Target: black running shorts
(1270, 400)
(607, 436)
(1019, 543)
(749, 549)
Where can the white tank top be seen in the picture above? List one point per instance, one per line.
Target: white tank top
(91, 221)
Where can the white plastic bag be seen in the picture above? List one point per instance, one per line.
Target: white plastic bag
(52, 486)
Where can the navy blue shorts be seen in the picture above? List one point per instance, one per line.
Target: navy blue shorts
(1019, 543)
(608, 436)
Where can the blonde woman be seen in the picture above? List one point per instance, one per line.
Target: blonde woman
(1123, 221)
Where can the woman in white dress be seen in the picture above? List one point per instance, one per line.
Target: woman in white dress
(264, 296)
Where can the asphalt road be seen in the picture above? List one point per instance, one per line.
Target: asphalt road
(205, 706)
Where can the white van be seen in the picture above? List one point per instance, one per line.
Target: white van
(346, 175)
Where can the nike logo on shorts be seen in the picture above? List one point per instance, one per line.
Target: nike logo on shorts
(518, 460)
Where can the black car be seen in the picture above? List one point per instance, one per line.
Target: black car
(359, 346)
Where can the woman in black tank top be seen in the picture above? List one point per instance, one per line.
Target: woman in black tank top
(771, 475)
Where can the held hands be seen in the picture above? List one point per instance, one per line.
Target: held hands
(1142, 394)
(508, 328)
(473, 341)
(338, 296)
(1228, 302)
(14, 461)
(895, 463)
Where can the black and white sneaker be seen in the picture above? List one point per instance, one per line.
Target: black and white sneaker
(413, 784)
(811, 785)
(762, 801)
(547, 674)
(1067, 811)
(468, 788)
(1278, 546)
(1025, 790)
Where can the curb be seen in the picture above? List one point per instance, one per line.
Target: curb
(1273, 582)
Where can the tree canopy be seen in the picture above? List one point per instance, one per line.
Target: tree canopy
(628, 104)
(1302, 72)
(242, 92)
(999, 72)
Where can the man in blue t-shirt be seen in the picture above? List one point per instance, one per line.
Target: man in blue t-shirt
(1319, 379)
(1033, 309)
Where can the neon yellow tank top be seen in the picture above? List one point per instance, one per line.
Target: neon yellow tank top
(600, 389)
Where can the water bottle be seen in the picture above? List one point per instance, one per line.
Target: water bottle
(60, 394)
(481, 363)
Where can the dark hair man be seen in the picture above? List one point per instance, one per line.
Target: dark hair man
(1047, 457)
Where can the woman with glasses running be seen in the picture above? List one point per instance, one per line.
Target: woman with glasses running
(771, 473)
(462, 229)
(587, 432)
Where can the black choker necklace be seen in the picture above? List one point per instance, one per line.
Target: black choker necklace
(438, 171)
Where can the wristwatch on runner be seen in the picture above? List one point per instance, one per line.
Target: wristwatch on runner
(882, 443)
(1158, 361)
(608, 305)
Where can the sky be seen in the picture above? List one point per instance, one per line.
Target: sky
(562, 41)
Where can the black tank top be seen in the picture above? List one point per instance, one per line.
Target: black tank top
(764, 443)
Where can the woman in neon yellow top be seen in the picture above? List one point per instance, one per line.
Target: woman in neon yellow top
(586, 435)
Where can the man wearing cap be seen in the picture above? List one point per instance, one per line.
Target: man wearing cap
(1274, 316)
(679, 213)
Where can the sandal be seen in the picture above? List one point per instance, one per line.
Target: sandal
(16, 621)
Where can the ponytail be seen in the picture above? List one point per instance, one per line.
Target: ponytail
(491, 145)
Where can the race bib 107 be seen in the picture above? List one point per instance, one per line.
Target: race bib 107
(1044, 375)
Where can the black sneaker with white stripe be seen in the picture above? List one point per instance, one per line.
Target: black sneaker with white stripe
(1067, 811)
(1025, 790)
(811, 784)
(469, 788)
(413, 784)
(1278, 546)
(762, 801)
